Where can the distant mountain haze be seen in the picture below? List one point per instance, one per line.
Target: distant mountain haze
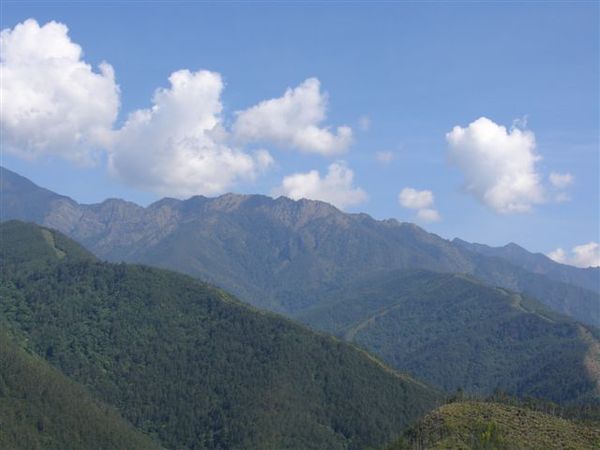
(279, 253)
(538, 263)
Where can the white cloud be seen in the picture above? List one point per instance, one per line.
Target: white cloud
(558, 255)
(384, 157)
(422, 201)
(585, 255)
(293, 121)
(413, 199)
(428, 215)
(561, 180)
(179, 146)
(335, 188)
(498, 165)
(53, 103)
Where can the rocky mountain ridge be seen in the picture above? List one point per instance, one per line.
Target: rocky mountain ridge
(274, 253)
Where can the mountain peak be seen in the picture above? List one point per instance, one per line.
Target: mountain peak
(232, 201)
(514, 247)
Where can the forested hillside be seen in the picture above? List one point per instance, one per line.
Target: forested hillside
(455, 332)
(41, 409)
(187, 363)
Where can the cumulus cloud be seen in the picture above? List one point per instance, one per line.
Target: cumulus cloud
(335, 188)
(422, 201)
(179, 147)
(56, 104)
(558, 255)
(413, 199)
(428, 215)
(561, 180)
(293, 121)
(53, 102)
(385, 157)
(585, 255)
(499, 165)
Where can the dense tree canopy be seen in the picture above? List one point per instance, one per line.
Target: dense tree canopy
(190, 365)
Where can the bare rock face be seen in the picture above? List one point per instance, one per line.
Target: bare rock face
(63, 214)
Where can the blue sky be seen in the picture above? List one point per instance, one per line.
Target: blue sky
(415, 70)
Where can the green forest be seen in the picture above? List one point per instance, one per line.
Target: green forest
(43, 409)
(189, 365)
(455, 332)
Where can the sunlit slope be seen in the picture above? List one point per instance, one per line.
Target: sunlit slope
(482, 425)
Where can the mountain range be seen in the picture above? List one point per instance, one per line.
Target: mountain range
(277, 253)
(173, 360)
(454, 314)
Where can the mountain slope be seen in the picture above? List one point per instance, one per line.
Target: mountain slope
(475, 425)
(538, 263)
(456, 332)
(571, 300)
(189, 364)
(277, 253)
(21, 199)
(41, 409)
